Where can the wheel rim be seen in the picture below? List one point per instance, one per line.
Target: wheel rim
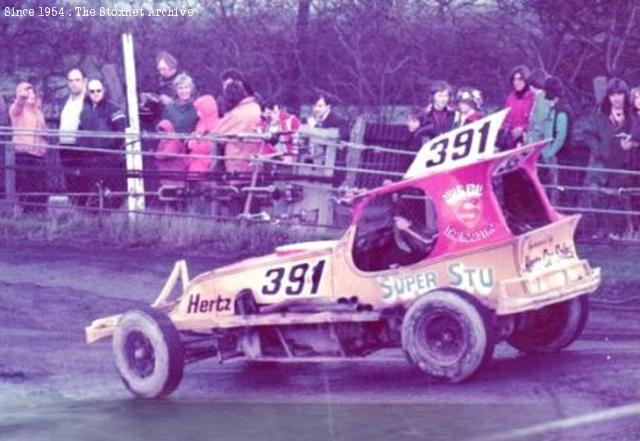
(139, 354)
(442, 337)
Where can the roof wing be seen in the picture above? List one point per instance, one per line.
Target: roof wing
(466, 145)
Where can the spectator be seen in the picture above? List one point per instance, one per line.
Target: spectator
(181, 111)
(167, 66)
(152, 104)
(25, 113)
(243, 117)
(101, 115)
(605, 135)
(439, 116)
(519, 102)
(173, 168)
(281, 125)
(557, 128)
(634, 98)
(538, 120)
(323, 117)
(70, 115)
(207, 110)
(469, 106)
(226, 78)
(69, 122)
(417, 133)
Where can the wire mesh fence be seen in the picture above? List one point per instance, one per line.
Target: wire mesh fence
(299, 190)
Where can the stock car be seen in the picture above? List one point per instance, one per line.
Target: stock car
(444, 264)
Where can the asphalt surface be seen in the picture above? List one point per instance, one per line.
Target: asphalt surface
(53, 386)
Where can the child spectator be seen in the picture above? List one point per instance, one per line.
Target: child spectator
(281, 125)
(173, 168)
(469, 106)
(207, 110)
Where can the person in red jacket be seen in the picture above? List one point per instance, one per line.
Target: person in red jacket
(207, 110)
(282, 125)
(520, 103)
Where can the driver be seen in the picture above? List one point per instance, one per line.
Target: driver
(407, 239)
(409, 246)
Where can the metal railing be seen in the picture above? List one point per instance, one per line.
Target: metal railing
(274, 190)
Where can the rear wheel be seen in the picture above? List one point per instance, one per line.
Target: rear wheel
(551, 328)
(148, 353)
(448, 334)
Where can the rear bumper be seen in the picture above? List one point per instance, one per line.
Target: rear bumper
(540, 289)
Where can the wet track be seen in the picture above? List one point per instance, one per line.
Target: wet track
(52, 386)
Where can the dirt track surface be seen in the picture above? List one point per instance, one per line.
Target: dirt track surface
(53, 386)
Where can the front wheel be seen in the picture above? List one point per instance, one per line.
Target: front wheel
(148, 353)
(448, 335)
(551, 328)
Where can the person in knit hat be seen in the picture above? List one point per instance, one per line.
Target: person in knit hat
(606, 135)
(29, 146)
(469, 106)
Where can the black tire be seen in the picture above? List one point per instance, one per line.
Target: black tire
(148, 352)
(551, 328)
(448, 334)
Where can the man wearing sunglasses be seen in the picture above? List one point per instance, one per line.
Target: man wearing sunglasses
(103, 118)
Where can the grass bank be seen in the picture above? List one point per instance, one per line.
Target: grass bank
(118, 230)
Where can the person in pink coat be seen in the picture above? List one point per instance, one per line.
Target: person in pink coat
(207, 109)
(244, 117)
(174, 167)
(520, 104)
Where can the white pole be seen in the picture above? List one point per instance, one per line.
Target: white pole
(134, 159)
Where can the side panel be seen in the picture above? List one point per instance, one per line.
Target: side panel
(478, 272)
(272, 280)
